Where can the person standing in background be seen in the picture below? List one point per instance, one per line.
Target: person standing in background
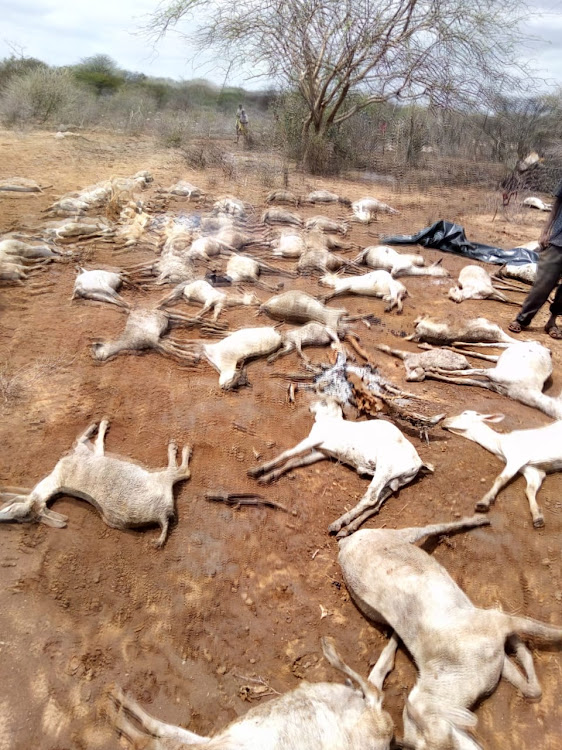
(549, 273)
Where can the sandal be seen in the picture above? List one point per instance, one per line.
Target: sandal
(554, 332)
(515, 327)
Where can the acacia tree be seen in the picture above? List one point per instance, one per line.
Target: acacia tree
(344, 55)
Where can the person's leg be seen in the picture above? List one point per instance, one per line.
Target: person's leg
(555, 310)
(549, 271)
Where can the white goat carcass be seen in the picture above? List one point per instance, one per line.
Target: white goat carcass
(526, 272)
(324, 224)
(17, 248)
(366, 209)
(313, 716)
(228, 355)
(289, 245)
(459, 649)
(478, 331)
(399, 264)
(318, 260)
(520, 373)
(240, 268)
(71, 230)
(19, 185)
(311, 334)
(230, 206)
(100, 286)
(281, 216)
(533, 202)
(203, 293)
(183, 189)
(376, 448)
(373, 284)
(205, 248)
(532, 452)
(475, 282)
(126, 495)
(325, 196)
(282, 196)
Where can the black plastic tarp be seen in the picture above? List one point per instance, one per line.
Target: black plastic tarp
(449, 237)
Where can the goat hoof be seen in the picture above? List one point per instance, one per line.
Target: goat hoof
(335, 527)
(342, 533)
(482, 507)
(538, 522)
(255, 472)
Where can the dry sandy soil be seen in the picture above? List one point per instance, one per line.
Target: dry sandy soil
(231, 609)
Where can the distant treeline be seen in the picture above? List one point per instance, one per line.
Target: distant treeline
(101, 75)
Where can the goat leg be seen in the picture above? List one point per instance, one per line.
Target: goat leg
(294, 463)
(151, 725)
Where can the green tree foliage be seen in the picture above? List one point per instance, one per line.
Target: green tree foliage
(99, 73)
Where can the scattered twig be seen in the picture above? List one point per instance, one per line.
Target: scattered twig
(243, 498)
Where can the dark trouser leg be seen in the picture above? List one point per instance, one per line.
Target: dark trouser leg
(548, 275)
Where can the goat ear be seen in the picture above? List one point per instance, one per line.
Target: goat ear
(493, 418)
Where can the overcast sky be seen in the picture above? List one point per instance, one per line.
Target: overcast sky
(61, 32)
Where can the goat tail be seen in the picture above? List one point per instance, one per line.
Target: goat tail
(525, 626)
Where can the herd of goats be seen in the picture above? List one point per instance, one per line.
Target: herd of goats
(459, 649)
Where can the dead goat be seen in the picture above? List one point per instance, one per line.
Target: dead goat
(242, 268)
(366, 209)
(17, 248)
(230, 206)
(313, 716)
(169, 268)
(182, 189)
(325, 196)
(311, 334)
(373, 284)
(280, 216)
(282, 196)
(289, 244)
(299, 307)
(202, 292)
(526, 272)
(228, 355)
(145, 329)
(471, 331)
(399, 264)
(100, 286)
(532, 452)
(520, 373)
(77, 230)
(418, 364)
(324, 224)
(318, 260)
(475, 282)
(125, 494)
(459, 649)
(375, 448)
(19, 185)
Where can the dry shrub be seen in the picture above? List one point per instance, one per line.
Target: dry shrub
(202, 156)
(173, 129)
(40, 96)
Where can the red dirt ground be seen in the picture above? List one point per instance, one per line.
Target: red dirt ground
(234, 600)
